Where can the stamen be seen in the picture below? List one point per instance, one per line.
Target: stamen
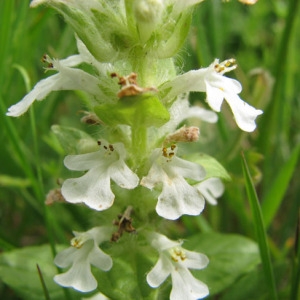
(169, 152)
(177, 254)
(225, 66)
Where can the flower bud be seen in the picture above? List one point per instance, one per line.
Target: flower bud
(148, 14)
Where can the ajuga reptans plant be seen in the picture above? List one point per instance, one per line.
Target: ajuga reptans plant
(137, 164)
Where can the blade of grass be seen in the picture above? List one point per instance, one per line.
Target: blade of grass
(275, 194)
(273, 125)
(296, 264)
(45, 290)
(260, 231)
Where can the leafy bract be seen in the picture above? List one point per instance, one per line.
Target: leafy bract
(142, 110)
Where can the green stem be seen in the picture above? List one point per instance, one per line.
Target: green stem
(139, 142)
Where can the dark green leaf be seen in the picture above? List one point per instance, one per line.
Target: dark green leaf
(230, 256)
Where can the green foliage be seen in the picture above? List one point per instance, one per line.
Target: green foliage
(212, 167)
(18, 269)
(230, 256)
(135, 111)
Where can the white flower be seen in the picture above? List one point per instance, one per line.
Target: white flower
(177, 196)
(67, 78)
(93, 188)
(83, 253)
(175, 260)
(211, 189)
(217, 88)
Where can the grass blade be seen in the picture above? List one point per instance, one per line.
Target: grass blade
(46, 293)
(260, 230)
(296, 264)
(274, 197)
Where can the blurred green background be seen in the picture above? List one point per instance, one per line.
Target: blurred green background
(263, 38)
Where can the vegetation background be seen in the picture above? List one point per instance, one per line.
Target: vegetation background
(263, 38)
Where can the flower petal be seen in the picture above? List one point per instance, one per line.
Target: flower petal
(93, 189)
(244, 114)
(78, 277)
(185, 286)
(178, 198)
(156, 175)
(83, 162)
(159, 273)
(161, 242)
(185, 168)
(100, 259)
(122, 175)
(43, 87)
(214, 96)
(66, 257)
(195, 260)
(202, 114)
(211, 189)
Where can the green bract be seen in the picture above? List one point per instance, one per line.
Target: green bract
(145, 110)
(111, 30)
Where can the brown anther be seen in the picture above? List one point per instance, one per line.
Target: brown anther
(99, 143)
(50, 66)
(111, 147)
(90, 118)
(171, 154)
(105, 147)
(165, 152)
(44, 58)
(173, 146)
(114, 74)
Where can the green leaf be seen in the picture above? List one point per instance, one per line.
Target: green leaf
(260, 230)
(74, 141)
(127, 278)
(230, 256)
(18, 269)
(253, 285)
(275, 195)
(212, 167)
(145, 110)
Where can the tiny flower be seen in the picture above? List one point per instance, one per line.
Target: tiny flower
(181, 110)
(217, 88)
(67, 78)
(177, 196)
(211, 189)
(84, 251)
(175, 260)
(184, 134)
(93, 188)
